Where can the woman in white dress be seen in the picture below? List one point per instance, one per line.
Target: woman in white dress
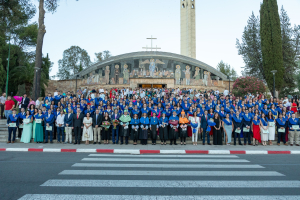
(264, 129)
(271, 123)
(87, 134)
(194, 120)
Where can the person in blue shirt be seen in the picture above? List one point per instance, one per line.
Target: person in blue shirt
(135, 122)
(13, 123)
(154, 127)
(163, 128)
(238, 125)
(247, 129)
(21, 116)
(174, 124)
(281, 125)
(49, 121)
(144, 124)
(68, 126)
(294, 130)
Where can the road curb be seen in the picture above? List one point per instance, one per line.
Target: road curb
(144, 151)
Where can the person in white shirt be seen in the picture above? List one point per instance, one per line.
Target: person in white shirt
(217, 92)
(55, 93)
(142, 94)
(101, 90)
(226, 92)
(60, 121)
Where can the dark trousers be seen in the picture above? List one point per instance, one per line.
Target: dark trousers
(144, 141)
(172, 141)
(237, 135)
(281, 135)
(20, 130)
(163, 140)
(77, 133)
(2, 111)
(153, 141)
(12, 130)
(54, 131)
(206, 134)
(247, 135)
(50, 133)
(126, 139)
(182, 138)
(115, 135)
(60, 131)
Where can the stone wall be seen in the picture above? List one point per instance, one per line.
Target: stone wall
(70, 85)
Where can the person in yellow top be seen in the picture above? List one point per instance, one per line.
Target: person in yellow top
(183, 121)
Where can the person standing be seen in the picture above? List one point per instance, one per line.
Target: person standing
(39, 134)
(27, 128)
(144, 120)
(60, 121)
(227, 127)
(21, 116)
(204, 124)
(135, 128)
(163, 130)
(77, 122)
(237, 124)
(154, 128)
(97, 121)
(2, 103)
(8, 106)
(24, 101)
(183, 121)
(106, 127)
(247, 122)
(49, 121)
(217, 135)
(115, 128)
(87, 129)
(281, 125)
(68, 126)
(124, 122)
(195, 125)
(13, 123)
(256, 130)
(271, 122)
(294, 130)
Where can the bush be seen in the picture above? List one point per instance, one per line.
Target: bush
(243, 85)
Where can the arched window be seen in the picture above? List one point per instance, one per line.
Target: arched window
(183, 5)
(193, 6)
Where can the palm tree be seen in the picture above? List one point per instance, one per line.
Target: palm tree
(25, 75)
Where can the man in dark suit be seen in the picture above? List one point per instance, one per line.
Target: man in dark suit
(204, 119)
(97, 121)
(25, 101)
(115, 131)
(77, 123)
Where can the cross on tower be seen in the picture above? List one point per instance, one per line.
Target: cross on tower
(151, 44)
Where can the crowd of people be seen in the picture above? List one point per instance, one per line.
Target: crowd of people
(122, 114)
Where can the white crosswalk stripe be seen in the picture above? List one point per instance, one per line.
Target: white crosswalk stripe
(165, 171)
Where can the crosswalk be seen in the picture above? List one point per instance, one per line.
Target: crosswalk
(162, 177)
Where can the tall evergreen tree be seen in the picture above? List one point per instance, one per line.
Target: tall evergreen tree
(271, 43)
(250, 48)
(289, 53)
(227, 70)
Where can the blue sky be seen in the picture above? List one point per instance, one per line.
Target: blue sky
(122, 26)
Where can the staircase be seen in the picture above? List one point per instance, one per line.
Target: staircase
(3, 131)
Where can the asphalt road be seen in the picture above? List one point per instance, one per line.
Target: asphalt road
(35, 175)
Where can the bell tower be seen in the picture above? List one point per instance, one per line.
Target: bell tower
(188, 28)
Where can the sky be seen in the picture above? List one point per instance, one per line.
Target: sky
(122, 26)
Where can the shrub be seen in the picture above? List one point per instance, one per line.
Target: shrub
(243, 85)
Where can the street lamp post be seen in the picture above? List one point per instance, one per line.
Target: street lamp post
(228, 77)
(35, 92)
(274, 72)
(8, 64)
(76, 85)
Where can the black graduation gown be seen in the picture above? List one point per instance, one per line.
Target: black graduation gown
(143, 134)
(163, 132)
(134, 134)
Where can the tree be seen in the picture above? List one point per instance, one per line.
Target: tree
(51, 6)
(102, 55)
(271, 43)
(25, 74)
(289, 52)
(73, 58)
(250, 48)
(2, 77)
(227, 70)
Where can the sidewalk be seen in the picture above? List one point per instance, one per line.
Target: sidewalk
(140, 149)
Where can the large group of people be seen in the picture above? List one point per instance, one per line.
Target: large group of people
(118, 115)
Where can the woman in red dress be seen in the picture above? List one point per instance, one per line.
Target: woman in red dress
(294, 106)
(256, 131)
(189, 129)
